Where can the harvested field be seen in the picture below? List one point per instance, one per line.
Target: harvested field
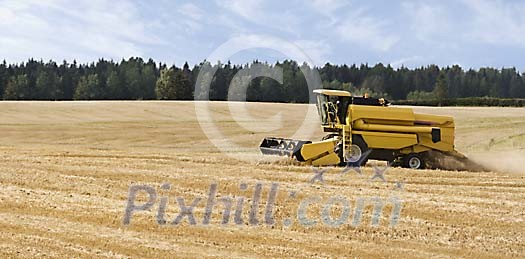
(67, 168)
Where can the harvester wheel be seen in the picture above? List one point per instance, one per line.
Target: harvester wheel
(413, 161)
(355, 155)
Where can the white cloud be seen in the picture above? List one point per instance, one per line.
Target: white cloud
(247, 9)
(317, 51)
(498, 22)
(366, 30)
(492, 22)
(428, 21)
(247, 42)
(192, 18)
(407, 61)
(259, 13)
(327, 7)
(192, 11)
(61, 29)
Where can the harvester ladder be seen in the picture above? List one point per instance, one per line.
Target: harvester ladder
(347, 141)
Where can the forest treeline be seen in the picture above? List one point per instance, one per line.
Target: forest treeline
(137, 79)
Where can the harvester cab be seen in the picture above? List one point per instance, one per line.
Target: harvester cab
(331, 106)
(362, 128)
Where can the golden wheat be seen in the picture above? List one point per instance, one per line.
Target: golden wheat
(67, 167)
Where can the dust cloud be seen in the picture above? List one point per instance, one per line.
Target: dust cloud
(502, 161)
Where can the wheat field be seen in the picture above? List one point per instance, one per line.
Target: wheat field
(67, 168)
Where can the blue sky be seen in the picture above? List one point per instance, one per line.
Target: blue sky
(472, 33)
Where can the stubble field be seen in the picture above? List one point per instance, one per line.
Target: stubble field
(66, 169)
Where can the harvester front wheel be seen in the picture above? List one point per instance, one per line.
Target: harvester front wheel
(357, 155)
(413, 161)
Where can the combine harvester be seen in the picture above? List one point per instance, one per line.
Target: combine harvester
(361, 128)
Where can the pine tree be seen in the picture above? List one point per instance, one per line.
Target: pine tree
(238, 90)
(173, 85)
(18, 88)
(3, 78)
(184, 87)
(115, 86)
(219, 84)
(134, 79)
(46, 86)
(149, 79)
(165, 86)
(441, 88)
(271, 90)
(88, 88)
(131, 73)
(517, 87)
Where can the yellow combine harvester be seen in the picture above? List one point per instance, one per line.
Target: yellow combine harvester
(361, 128)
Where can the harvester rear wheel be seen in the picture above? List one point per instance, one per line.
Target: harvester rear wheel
(413, 161)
